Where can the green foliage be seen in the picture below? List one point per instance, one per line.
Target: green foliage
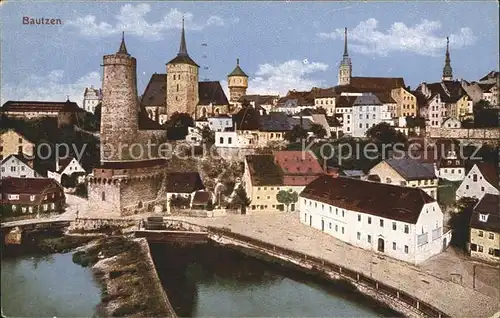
(459, 222)
(287, 197)
(413, 122)
(241, 199)
(383, 133)
(179, 201)
(297, 133)
(210, 205)
(318, 131)
(482, 104)
(447, 192)
(208, 136)
(180, 120)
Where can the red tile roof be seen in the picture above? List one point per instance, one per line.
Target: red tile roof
(388, 201)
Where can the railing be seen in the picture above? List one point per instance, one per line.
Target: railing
(382, 288)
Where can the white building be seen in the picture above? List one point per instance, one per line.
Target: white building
(403, 223)
(451, 168)
(481, 179)
(368, 111)
(91, 98)
(451, 122)
(436, 111)
(194, 136)
(226, 139)
(16, 166)
(220, 123)
(67, 166)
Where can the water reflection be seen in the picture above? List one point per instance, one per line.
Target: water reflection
(207, 280)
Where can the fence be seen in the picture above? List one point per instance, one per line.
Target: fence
(425, 308)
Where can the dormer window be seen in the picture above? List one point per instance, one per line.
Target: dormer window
(483, 217)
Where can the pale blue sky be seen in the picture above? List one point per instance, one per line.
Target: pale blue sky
(281, 45)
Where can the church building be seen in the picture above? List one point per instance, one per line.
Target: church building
(179, 90)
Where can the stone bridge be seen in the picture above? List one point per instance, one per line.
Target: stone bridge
(12, 232)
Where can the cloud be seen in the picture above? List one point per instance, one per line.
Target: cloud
(421, 38)
(50, 87)
(279, 79)
(132, 20)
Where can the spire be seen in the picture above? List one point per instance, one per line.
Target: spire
(345, 42)
(447, 70)
(237, 62)
(123, 48)
(182, 47)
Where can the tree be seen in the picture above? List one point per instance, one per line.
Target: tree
(241, 199)
(208, 136)
(180, 120)
(287, 197)
(385, 134)
(482, 104)
(296, 133)
(459, 222)
(318, 130)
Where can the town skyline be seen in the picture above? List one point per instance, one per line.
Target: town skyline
(378, 45)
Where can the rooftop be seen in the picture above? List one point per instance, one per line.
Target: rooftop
(184, 182)
(26, 185)
(40, 106)
(412, 169)
(263, 170)
(489, 206)
(383, 200)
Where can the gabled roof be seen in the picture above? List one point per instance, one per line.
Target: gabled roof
(306, 123)
(486, 87)
(18, 157)
(201, 197)
(274, 122)
(490, 75)
(412, 169)
(155, 92)
(450, 91)
(377, 84)
(247, 118)
(40, 106)
(388, 201)
(211, 92)
(184, 182)
(27, 185)
(385, 97)
(345, 101)
(489, 172)
(324, 92)
(367, 100)
(303, 98)
(259, 99)
(297, 162)
(489, 205)
(263, 170)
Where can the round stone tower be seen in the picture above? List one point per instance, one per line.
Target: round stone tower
(182, 81)
(120, 110)
(237, 82)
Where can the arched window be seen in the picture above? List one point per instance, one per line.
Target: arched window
(103, 196)
(177, 87)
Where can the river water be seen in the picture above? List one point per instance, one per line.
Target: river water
(206, 280)
(47, 286)
(200, 280)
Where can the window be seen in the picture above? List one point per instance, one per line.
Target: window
(482, 189)
(481, 234)
(229, 140)
(343, 213)
(369, 220)
(330, 225)
(491, 236)
(407, 229)
(406, 249)
(13, 196)
(20, 140)
(381, 223)
(359, 217)
(336, 228)
(480, 248)
(467, 186)
(394, 245)
(369, 238)
(359, 236)
(12, 169)
(342, 230)
(491, 251)
(473, 247)
(474, 177)
(394, 226)
(483, 217)
(221, 140)
(20, 149)
(177, 87)
(103, 196)
(32, 198)
(330, 209)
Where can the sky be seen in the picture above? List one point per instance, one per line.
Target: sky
(281, 45)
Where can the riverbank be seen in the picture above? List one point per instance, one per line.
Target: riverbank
(130, 284)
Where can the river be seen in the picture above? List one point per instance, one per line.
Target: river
(47, 286)
(207, 280)
(200, 280)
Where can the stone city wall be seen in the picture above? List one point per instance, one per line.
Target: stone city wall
(488, 135)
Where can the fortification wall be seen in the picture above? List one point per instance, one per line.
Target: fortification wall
(139, 195)
(488, 135)
(104, 196)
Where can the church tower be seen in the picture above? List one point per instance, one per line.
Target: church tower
(120, 109)
(182, 81)
(237, 83)
(447, 70)
(345, 68)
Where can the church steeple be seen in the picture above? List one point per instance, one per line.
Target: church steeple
(123, 48)
(447, 70)
(182, 47)
(345, 67)
(345, 42)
